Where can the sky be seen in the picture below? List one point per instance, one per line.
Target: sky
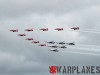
(21, 57)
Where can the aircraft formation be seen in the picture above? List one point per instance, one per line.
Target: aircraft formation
(56, 45)
(45, 29)
(52, 44)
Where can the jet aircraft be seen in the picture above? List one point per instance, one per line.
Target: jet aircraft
(55, 46)
(59, 29)
(29, 39)
(42, 44)
(21, 34)
(54, 50)
(62, 43)
(51, 42)
(44, 29)
(63, 47)
(28, 30)
(14, 30)
(35, 42)
(73, 43)
(75, 28)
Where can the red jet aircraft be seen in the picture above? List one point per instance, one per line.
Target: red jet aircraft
(42, 44)
(29, 39)
(44, 29)
(14, 30)
(28, 30)
(21, 34)
(59, 29)
(75, 28)
(35, 42)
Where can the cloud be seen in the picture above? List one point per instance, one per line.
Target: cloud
(15, 8)
(21, 57)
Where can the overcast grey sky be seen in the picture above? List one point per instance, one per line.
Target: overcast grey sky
(20, 57)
